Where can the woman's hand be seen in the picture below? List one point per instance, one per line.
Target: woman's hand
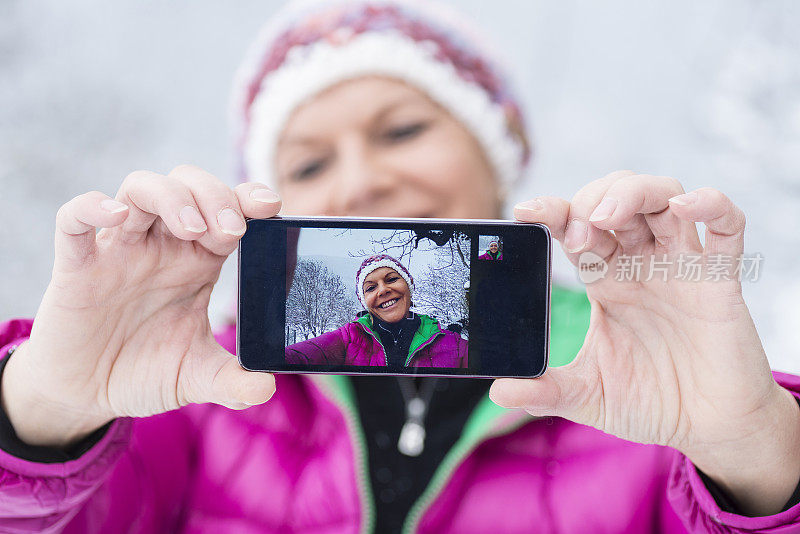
(668, 360)
(123, 326)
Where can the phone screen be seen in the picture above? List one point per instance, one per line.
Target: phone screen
(394, 296)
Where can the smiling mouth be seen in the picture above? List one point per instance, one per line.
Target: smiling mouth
(388, 304)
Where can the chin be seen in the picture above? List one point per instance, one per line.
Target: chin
(392, 318)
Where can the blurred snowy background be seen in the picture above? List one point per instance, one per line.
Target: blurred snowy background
(708, 92)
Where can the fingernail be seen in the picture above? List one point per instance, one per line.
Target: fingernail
(112, 206)
(575, 236)
(231, 222)
(192, 220)
(685, 199)
(264, 195)
(533, 205)
(604, 210)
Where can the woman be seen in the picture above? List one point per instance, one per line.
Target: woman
(492, 253)
(390, 334)
(667, 419)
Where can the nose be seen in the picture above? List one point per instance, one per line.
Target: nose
(383, 289)
(363, 184)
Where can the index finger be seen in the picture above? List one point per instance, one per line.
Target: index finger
(555, 213)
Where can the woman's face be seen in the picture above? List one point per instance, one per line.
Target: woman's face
(377, 147)
(386, 295)
(493, 247)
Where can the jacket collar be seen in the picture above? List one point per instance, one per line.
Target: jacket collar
(428, 329)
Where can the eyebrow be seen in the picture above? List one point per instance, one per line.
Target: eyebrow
(377, 116)
(400, 102)
(299, 140)
(387, 275)
(368, 282)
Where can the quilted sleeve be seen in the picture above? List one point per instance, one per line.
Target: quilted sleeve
(132, 477)
(700, 512)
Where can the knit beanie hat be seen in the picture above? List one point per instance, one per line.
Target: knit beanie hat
(311, 45)
(376, 262)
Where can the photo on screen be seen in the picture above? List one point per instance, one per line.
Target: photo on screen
(490, 248)
(378, 297)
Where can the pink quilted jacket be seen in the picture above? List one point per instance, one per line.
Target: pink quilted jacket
(356, 344)
(298, 464)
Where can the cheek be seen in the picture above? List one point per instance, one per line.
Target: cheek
(369, 300)
(405, 294)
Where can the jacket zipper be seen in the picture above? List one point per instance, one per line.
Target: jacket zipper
(385, 356)
(341, 395)
(448, 466)
(422, 346)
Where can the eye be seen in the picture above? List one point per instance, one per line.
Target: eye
(309, 170)
(393, 279)
(404, 132)
(368, 289)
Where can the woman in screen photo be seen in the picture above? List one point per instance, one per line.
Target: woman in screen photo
(123, 411)
(389, 334)
(493, 253)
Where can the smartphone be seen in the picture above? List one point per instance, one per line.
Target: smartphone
(436, 297)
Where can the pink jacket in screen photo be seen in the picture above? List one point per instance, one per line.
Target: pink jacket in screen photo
(356, 344)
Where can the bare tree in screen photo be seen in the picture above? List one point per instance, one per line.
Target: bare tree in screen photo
(318, 302)
(442, 289)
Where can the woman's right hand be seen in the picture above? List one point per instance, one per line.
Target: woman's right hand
(123, 327)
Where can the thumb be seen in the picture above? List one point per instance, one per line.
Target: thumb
(223, 381)
(559, 392)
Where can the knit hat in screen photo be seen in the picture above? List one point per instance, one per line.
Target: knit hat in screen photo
(376, 262)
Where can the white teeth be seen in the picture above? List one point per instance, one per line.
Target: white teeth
(388, 303)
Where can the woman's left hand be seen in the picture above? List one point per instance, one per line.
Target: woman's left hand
(668, 360)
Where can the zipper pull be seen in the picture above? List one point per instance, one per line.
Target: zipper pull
(412, 436)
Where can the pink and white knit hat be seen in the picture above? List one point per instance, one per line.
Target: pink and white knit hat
(376, 262)
(312, 45)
